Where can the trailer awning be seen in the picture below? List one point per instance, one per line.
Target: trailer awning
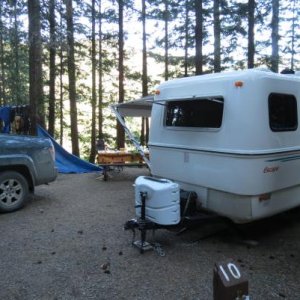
(136, 108)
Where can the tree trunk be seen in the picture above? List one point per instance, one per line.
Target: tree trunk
(186, 38)
(147, 130)
(72, 78)
(35, 66)
(61, 84)
(251, 22)
(217, 37)
(100, 75)
(120, 130)
(293, 34)
(145, 70)
(199, 36)
(143, 140)
(61, 98)
(2, 72)
(15, 47)
(52, 54)
(93, 104)
(166, 19)
(275, 36)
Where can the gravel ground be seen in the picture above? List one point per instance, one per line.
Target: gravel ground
(57, 247)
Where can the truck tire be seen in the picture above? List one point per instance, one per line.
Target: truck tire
(13, 191)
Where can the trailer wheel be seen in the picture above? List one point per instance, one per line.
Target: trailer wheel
(13, 191)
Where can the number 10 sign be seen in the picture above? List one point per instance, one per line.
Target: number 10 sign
(229, 282)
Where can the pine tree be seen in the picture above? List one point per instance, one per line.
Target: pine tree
(15, 45)
(93, 102)
(72, 77)
(14, 62)
(183, 38)
(251, 43)
(61, 70)
(295, 36)
(275, 36)
(35, 65)
(52, 67)
(120, 130)
(217, 36)
(233, 31)
(100, 72)
(2, 71)
(144, 71)
(186, 37)
(165, 13)
(199, 36)
(291, 38)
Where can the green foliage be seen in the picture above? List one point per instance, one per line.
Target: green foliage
(14, 54)
(175, 15)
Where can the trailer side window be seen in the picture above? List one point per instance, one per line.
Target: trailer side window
(207, 113)
(282, 112)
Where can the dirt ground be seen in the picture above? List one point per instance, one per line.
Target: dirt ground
(69, 243)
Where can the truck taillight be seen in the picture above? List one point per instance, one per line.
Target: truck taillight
(52, 151)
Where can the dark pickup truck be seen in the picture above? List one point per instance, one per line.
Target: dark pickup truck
(25, 162)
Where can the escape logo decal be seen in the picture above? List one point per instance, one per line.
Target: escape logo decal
(271, 169)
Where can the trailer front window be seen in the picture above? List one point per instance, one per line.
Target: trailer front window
(204, 112)
(283, 112)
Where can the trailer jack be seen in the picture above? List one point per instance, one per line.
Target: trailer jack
(143, 225)
(189, 219)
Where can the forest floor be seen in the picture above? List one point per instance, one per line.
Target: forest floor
(69, 243)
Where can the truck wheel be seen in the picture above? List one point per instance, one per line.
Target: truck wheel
(13, 191)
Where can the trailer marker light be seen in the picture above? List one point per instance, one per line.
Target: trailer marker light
(239, 83)
(264, 197)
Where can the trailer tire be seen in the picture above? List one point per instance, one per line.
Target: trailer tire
(14, 191)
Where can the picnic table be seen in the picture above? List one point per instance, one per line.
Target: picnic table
(110, 160)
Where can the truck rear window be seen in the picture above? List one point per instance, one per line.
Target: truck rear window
(202, 112)
(283, 112)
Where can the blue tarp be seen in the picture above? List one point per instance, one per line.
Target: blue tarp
(67, 162)
(5, 117)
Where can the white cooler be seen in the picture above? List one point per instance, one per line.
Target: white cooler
(162, 200)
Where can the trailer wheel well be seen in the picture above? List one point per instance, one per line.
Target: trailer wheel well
(22, 170)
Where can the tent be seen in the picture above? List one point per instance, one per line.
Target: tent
(67, 162)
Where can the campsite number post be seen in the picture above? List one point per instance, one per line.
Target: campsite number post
(229, 283)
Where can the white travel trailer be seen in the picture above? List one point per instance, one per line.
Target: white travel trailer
(232, 138)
